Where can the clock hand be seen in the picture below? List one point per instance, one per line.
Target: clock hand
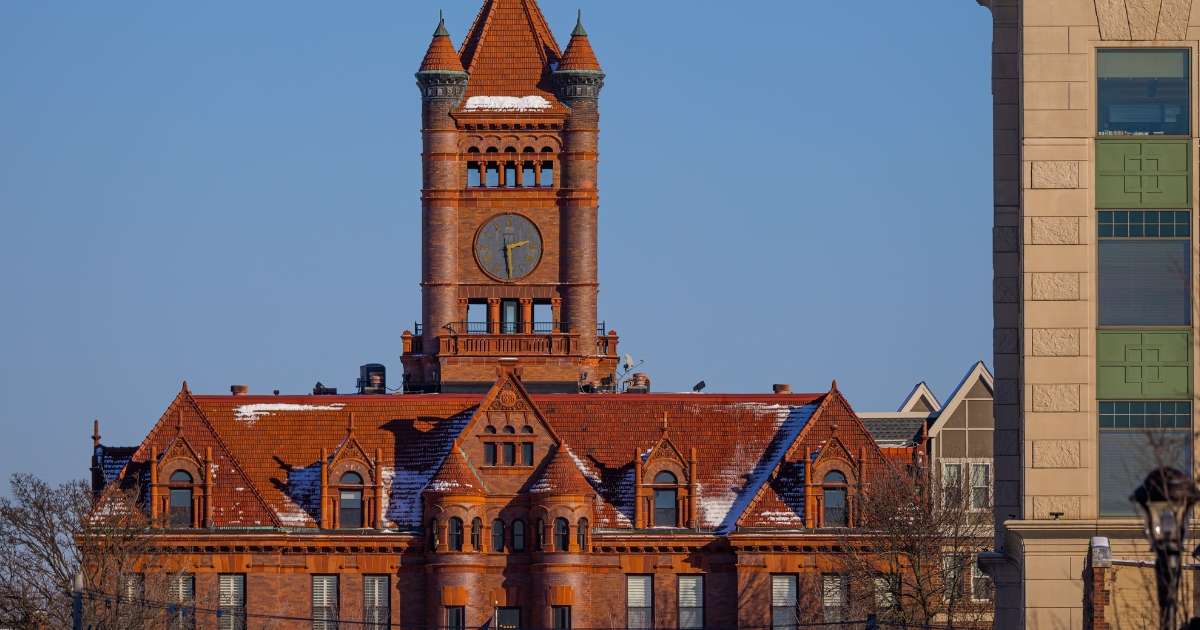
(508, 259)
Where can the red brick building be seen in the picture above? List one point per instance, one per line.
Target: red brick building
(514, 483)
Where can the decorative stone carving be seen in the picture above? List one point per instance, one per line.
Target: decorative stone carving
(1067, 507)
(1056, 454)
(1051, 398)
(1125, 20)
(1056, 342)
(1054, 230)
(1055, 174)
(1055, 286)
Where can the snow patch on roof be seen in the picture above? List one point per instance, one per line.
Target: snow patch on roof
(445, 485)
(251, 413)
(725, 507)
(507, 103)
(304, 494)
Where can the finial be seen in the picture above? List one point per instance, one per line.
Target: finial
(834, 388)
(441, 28)
(185, 387)
(96, 433)
(579, 31)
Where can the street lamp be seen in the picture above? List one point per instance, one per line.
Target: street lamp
(1165, 501)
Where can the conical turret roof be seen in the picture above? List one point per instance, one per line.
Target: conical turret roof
(455, 477)
(561, 476)
(579, 54)
(441, 56)
(509, 51)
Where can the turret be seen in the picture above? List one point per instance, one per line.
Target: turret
(443, 82)
(577, 83)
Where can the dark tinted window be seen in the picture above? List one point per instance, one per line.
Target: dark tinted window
(1128, 455)
(1145, 282)
(1142, 92)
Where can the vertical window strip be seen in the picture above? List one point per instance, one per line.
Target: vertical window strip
(639, 601)
(231, 600)
(691, 602)
(325, 602)
(783, 602)
(376, 602)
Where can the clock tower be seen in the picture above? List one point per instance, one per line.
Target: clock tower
(510, 127)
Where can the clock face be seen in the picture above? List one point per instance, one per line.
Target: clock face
(508, 247)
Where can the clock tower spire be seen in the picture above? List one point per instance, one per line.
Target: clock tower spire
(510, 129)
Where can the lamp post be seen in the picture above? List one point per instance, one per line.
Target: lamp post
(1165, 500)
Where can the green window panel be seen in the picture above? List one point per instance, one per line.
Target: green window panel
(1141, 365)
(1143, 174)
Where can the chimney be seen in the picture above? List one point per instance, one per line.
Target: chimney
(372, 379)
(239, 390)
(639, 383)
(781, 388)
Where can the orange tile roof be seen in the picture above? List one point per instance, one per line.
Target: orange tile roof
(509, 51)
(561, 476)
(268, 449)
(456, 477)
(441, 55)
(579, 54)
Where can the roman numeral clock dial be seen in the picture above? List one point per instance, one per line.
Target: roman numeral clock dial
(508, 247)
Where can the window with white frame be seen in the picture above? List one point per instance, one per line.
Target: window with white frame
(639, 601)
(691, 602)
(231, 594)
(181, 612)
(783, 602)
(325, 602)
(981, 584)
(981, 486)
(835, 596)
(376, 602)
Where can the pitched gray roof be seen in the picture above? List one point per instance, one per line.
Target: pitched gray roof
(894, 431)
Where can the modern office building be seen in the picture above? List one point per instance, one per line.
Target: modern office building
(1094, 114)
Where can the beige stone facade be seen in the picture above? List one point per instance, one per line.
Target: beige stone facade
(1046, 309)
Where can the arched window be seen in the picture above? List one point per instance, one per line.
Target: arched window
(665, 499)
(834, 491)
(509, 430)
(181, 499)
(433, 535)
(562, 534)
(477, 534)
(498, 536)
(350, 501)
(490, 430)
(518, 533)
(527, 429)
(455, 535)
(539, 536)
(581, 534)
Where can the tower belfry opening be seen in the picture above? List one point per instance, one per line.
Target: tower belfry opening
(510, 129)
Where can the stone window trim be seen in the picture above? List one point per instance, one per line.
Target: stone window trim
(439, 520)
(664, 458)
(818, 472)
(180, 459)
(574, 515)
(334, 468)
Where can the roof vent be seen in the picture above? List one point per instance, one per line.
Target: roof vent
(639, 383)
(320, 390)
(372, 379)
(781, 388)
(239, 390)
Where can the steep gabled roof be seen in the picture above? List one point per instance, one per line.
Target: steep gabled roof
(509, 51)
(977, 375)
(920, 399)
(441, 56)
(561, 476)
(579, 54)
(237, 501)
(455, 476)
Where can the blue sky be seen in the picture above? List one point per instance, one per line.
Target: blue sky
(792, 192)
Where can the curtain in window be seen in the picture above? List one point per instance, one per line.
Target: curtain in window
(376, 602)
(639, 601)
(324, 602)
(231, 594)
(691, 601)
(783, 602)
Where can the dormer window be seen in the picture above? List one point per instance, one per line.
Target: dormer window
(181, 506)
(834, 489)
(350, 501)
(666, 494)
